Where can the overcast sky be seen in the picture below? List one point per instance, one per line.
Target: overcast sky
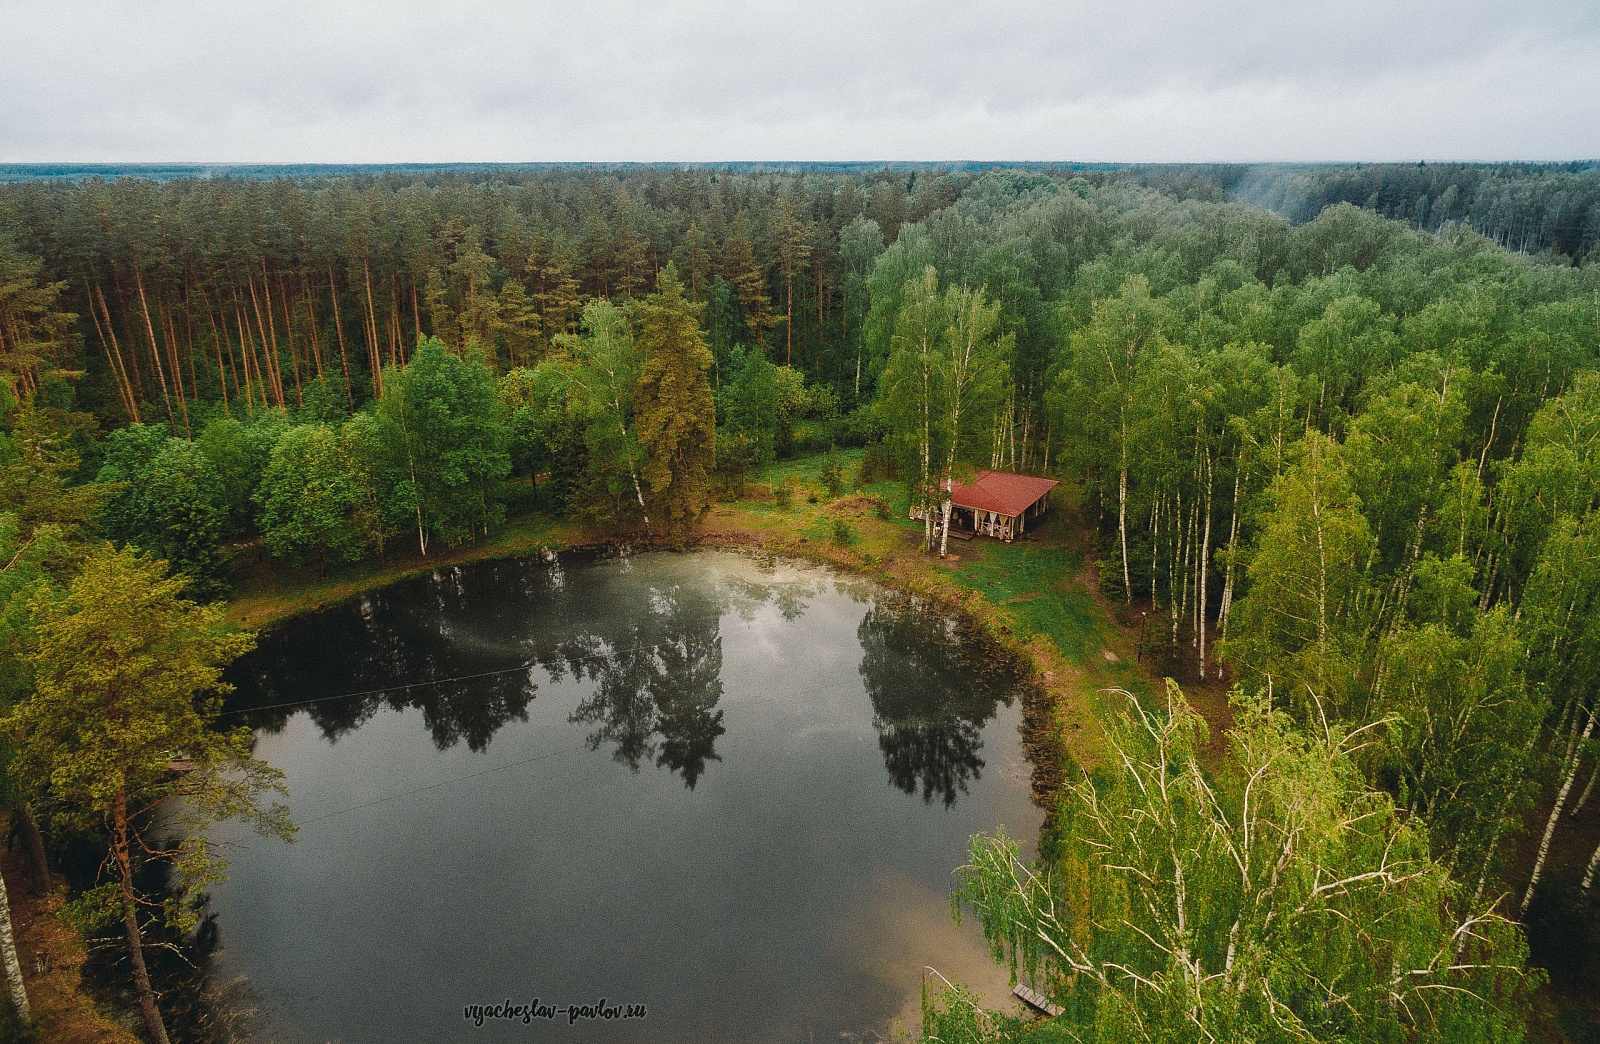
(523, 80)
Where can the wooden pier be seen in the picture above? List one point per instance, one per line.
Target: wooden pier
(1037, 1001)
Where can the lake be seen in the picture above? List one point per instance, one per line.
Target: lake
(730, 790)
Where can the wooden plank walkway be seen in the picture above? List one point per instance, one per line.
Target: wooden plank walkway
(1037, 1001)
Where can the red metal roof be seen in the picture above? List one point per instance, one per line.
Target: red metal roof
(1002, 491)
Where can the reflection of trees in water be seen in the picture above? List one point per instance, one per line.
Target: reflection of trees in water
(790, 597)
(649, 641)
(933, 687)
(401, 637)
(657, 684)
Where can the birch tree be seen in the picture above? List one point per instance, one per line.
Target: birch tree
(860, 243)
(1461, 725)
(1562, 608)
(1303, 628)
(1282, 901)
(911, 393)
(8, 954)
(1092, 397)
(975, 362)
(604, 368)
(446, 437)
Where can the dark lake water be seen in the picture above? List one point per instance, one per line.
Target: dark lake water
(729, 790)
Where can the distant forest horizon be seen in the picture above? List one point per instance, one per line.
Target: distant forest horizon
(1527, 207)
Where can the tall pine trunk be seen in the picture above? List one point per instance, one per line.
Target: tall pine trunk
(338, 326)
(374, 360)
(148, 1010)
(311, 320)
(155, 349)
(108, 341)
(33, 845)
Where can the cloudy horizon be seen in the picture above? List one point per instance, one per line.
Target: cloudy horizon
(496, 81)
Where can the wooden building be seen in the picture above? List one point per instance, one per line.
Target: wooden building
(998, 504)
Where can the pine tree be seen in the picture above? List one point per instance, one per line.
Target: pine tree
(749, 280)
(127, 675)
(674, 411)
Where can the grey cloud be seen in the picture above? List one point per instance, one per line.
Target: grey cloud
(713, 79)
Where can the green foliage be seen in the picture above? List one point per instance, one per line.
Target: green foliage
(792, 401)
(1558, 475)
(1523, 206)
(1344, 347)
(844, 534)
(171, 501)
(1283, 902)
(310, 496)
(860, 245)
(1361, 457)
(127, 675)
(724, 329)
(546, 433)
(1092, 397)
(751, 408)
(903, 264)
(443, 435)
(323, 400)
(1461, 727)
(674, 411)
(38, 468)
(1301, 629)
(833, 477)
(942, 382)
(40, 337)
(93, 909)
(1562, 611)
(36, 564)
(239, 452)
(602, 372)
(738, 454)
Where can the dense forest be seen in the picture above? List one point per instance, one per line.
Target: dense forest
(1348, 465)
(1525, 207)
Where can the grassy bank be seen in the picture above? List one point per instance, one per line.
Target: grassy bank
(266, 591)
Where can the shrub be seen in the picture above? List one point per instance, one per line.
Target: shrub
(876, 464)
(843, 532)
(833, 478)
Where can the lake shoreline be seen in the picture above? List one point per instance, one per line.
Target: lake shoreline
(1063, 718)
